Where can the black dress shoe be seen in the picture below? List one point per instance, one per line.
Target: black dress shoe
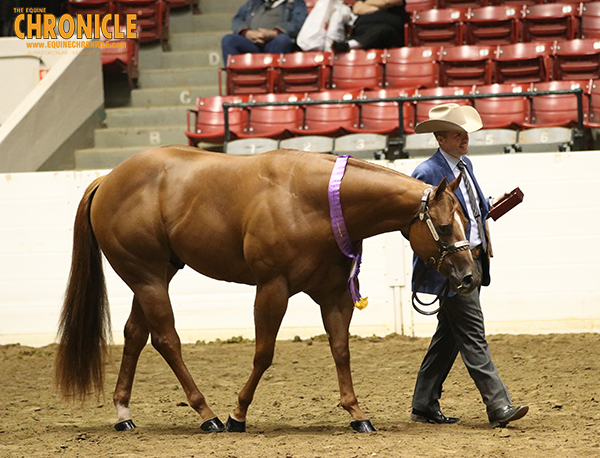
(432, 417)
(340, 46)
(501, 417)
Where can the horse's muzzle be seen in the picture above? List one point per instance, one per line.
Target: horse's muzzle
(466, 284)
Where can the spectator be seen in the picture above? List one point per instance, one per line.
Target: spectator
(379, 25)
(269, 26)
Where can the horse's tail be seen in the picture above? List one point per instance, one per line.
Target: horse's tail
(84, 327)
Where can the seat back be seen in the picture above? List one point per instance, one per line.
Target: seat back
(522, 62)
(593, 118)
(330, 119)
(423, 106)
(590, 20)
(152, 18)
(252, 73)
(273, 121)
(358, 69)
(384, 117)
(577, 59)
(502, 112)
(209, 123)
(466, 65)
(492, 25)
(437, 27)
(555, 110)
(304, 71)
(411, 67)
(549, 22)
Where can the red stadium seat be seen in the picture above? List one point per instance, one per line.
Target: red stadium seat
(84, 7)
(517, 3)
(122, 56)
(577, 59)
(462, 3)
(412, 67)
(555, 110)
(419, 5)
(437, 27)
(590, 20)
(466, 65)
(423, 107)
(251, 73)
(304, 71)
(492, 25)
(593, 118)
(384, 117)
(502, 112)
(329, 119)
(206, 123)
(358, 69)
(274, 121)
(152, 18)
(522, 63)
(192, 4)
(549, 22)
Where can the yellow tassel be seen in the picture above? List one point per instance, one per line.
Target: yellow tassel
(362, 303)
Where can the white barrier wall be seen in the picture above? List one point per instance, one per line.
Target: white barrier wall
(545, 273)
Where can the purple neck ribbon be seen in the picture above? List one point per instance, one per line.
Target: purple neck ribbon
(341, 233)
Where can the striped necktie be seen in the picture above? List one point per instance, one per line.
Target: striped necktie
(476, 212)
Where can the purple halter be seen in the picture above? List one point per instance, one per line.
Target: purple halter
(341, 233)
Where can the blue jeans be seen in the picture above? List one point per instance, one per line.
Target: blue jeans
(238, 44)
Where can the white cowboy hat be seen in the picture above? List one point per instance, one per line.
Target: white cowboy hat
(451, 117)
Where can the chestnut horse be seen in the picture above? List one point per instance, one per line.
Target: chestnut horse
(262, 220)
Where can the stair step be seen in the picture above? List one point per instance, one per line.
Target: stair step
(197, 41)
(147, 137)
(179, 59)
(171, 96)
(201, 22)
(187, 76)
(147, 116)
(221, 6)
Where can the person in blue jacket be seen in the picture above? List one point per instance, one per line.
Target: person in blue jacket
(460, 326)
(265, 26)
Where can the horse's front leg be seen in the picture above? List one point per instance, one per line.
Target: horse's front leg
(336, 310)
(269, 309)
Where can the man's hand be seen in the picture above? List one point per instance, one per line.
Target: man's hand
(255, 36)
(499, 198)
(268, 35)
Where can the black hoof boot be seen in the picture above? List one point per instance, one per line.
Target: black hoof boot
(363, 426)
(234, 426)
(213, 425)
(125, 425)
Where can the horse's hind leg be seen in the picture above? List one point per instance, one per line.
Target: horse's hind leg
(336, 311)
(154, 305)
(269, 309)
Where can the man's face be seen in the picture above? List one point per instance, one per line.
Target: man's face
(456, 144)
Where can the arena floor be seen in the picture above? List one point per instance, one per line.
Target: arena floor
(296, 412)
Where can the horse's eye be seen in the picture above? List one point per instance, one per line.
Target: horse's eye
(446, 229)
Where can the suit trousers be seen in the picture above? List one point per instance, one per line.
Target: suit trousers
(460, 329)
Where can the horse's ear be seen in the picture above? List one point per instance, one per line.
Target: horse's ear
(452, 187)
(439, 191)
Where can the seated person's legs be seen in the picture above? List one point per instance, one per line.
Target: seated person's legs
(282, 43)
(237, 44)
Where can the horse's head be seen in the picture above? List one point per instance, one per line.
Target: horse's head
(438, 237)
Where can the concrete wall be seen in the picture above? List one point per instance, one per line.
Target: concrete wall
(545, 274)
(71, 91)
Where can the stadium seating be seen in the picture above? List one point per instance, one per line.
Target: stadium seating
(466, 65)
(549, 22)
(362, 145)
(358, 69)
(384, 117)
(84, 7)
(436, 27)
(251, 146)
(309, 143)
(522, 62)
(423, 107)
(331, 119)
(590, 20)
(492, 141)
(555, 110)
(492, 25)
(419, 5)
(152, 18)
(461, 3)
(251, 73)
(122, 58)
(544, 139)
(206, 122)
(502, 112)
(593, 94)
(577, 59)
(192, 4)
(411, 67)
(273, 121)
(304, 71)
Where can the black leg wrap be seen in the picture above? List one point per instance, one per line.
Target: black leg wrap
(125, 425)
(363, 426)
(213, 425)
(234, 426)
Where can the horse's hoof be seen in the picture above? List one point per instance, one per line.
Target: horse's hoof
(125, 425)
(234, 426)
(214, 425)
(363, 426)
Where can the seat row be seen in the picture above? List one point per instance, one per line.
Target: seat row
(411, 67)
(503, 24)
(414, 5)
(337, 112)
